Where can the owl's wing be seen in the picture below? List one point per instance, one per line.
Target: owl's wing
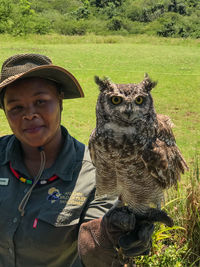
(164, 159)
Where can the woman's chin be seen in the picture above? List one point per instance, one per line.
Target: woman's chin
(33, 143)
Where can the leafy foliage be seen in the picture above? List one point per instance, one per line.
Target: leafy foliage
(104, 3)
(174, 18)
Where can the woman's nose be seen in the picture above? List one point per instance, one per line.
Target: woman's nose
(30, 113)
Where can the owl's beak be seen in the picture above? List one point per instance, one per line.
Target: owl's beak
(129, 110)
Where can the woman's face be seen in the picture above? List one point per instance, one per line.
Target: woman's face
(33, 111)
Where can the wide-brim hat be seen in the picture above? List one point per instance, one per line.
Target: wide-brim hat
(35, 65)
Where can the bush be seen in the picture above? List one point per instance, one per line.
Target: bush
(71, 27)
(134, 27)
(104, 3)
(41, 25)
(137, 13)
(175, 25)
(115, 24)
(169, 24)
(145, 10)
(81, 13)
(97, 26)
(21, 18)
(6, 9)
(4, 26)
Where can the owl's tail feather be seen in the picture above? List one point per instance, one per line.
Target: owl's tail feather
(155, 215)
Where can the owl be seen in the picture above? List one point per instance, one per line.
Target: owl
(133, 148)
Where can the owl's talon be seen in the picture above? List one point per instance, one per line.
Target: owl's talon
(155, 215)
(121, 217)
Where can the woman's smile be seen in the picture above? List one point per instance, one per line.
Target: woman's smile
(33, 129)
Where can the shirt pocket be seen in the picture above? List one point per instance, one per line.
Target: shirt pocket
(55, 226)
(61, 216)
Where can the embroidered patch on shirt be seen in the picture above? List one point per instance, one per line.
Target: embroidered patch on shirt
(4, 181)
(53, 195)
(71, 198)
(76, 198)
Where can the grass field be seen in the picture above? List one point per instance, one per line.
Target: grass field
(175, 64)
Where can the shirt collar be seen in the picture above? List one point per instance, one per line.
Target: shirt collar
(69, 159)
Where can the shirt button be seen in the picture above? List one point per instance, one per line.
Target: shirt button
(15, 220)
(10, 250)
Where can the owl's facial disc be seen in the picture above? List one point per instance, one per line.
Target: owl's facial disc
(126, 109)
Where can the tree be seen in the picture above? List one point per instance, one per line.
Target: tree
(104, 3)
(6, 9)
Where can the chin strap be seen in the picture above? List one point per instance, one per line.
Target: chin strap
(25, 199)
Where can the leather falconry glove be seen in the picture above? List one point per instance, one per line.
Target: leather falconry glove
(114, 239)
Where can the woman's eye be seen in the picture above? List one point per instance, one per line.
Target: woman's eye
(139, 100)
(40, 102)
(16, 108)
(116, 100)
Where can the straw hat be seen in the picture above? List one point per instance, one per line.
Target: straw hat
(36, 65)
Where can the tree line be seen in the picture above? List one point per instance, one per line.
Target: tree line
(168, 18)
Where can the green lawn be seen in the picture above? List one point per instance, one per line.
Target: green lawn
(174, 63)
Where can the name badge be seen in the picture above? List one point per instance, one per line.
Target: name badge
(4, 181)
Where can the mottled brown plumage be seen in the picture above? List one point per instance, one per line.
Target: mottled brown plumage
(133, 148)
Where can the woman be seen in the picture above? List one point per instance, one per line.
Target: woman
(47, 181)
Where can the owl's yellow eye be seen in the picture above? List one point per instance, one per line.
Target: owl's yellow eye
(139, 100)
(116, 100)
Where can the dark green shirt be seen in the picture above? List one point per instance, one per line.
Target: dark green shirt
(47, 233)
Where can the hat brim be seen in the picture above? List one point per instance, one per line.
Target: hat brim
(69, 84)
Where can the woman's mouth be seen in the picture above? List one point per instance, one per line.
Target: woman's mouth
(33, 130)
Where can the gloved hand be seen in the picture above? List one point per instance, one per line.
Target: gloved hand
(137, 242)
(135, 235)
(113, 239)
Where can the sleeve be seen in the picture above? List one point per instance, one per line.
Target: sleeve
(97, 206)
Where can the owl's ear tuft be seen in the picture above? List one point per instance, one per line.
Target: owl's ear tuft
(103, 83)
(148, 83)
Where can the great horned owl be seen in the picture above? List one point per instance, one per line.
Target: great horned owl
(133, 148)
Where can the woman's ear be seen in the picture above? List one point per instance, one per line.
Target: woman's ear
(61, 97)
